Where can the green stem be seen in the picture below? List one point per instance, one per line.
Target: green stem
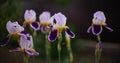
(26, 58)
(68, 41)
(98, 50)
(47, 49)
(59, 46)
(35, 36)
(98, 38)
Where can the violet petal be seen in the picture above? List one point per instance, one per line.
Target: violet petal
(42, 29)
(24, 33)
(53, 35)
(6, 41)
(109, 28)
(35, 25)
(70, 33)
(14, 50)
(96, 29)
(89, 29)
(31, 52)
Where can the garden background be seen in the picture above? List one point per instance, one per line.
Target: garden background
(79, 15)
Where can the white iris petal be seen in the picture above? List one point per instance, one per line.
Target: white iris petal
(26, 41)
(44, 17)
(30, 15)
(14, 27)
(60, 19)
(99, 16)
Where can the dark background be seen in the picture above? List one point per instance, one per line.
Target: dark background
(79, 14)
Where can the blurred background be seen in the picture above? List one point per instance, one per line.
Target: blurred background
(79, 14)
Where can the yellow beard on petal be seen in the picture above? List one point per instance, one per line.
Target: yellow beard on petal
(15, 35)
(102, 23)
(59, 28)
(28, 22)
(45, 23)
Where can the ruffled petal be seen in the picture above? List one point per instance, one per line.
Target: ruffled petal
(99, 16)
(60, 19)
(6, 41)
(31, 52)
(35, 25)
(14, 27)
(96, 29)
(45, 16)
(53, 35)
(70, 33)
(30, 15)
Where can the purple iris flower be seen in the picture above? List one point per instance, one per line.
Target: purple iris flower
(14, 29)
(26, 45)
(98, 22)
(30, 19)
(45, 21)
(58, 25)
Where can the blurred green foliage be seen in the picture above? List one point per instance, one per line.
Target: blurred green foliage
(9, 10)
(12, 10)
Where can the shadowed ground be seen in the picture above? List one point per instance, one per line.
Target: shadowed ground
(84, 54)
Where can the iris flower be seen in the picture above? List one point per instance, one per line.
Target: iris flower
(15, 30)
(30, 19)
(59, 24)
(98, 22)
(45, 21)
(26, 45)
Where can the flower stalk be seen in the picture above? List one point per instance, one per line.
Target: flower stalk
(47, 46)
(26, 58)
(59, 47)
(98, 50)
(68, 44)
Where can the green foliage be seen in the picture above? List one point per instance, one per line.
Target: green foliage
(9, 10)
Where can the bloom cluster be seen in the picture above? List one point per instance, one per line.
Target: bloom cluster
(47, 23)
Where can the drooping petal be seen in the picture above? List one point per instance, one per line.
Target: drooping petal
(35, 25)
(42, 29)
(89, 29)
(96, 29)
(23, 33)
(53, 35)
(60, 19)
(99, 16)
(31, 52)
(6, 41)
(44, 17)
(70, 33)
(109, 28)
(15, 50)
(30, 15)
